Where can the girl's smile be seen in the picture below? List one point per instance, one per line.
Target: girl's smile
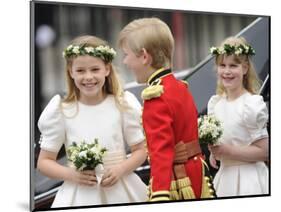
(90, 85)
(227, 79)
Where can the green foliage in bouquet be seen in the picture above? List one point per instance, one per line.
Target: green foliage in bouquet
(210, 129)
(86, 156)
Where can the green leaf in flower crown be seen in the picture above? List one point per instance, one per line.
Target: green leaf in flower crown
(229, 49)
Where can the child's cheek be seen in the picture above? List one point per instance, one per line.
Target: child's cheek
(79, 79)
(219, 75)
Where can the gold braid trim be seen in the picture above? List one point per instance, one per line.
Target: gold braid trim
(207, 191)
(149, 190)
(160, 193)
(185, 189)
(160, 196)
(174, 194)
(157, 199)
(185, 82)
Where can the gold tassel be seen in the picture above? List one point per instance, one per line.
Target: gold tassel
(174, 195)
(148, 190)
(207, 191)
(185, 189)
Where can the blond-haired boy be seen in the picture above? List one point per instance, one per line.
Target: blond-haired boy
(169, 113)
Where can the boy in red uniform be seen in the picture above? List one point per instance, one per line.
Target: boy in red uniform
(169, 114)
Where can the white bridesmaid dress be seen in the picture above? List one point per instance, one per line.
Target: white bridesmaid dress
(244, 121)
(112, 128)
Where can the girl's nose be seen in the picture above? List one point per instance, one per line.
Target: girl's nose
(227, 70)
(89, 75)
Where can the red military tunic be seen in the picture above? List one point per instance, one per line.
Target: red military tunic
(169, 116)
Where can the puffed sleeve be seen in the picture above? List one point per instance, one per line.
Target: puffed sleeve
(51, 126)
(132, 127)
(255, 117)
(212, 102)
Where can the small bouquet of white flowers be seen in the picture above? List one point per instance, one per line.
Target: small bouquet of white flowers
(210, 129)
(86, 156)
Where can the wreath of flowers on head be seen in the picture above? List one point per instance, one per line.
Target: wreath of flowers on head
(233, 49)
(104, 52)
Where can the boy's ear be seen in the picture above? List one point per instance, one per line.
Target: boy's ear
(147, 59)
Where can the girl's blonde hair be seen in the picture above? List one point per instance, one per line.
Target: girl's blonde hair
(112, 84)
(251, 82)
(152, 34)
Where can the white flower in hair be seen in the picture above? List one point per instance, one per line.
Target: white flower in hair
(238, 51)
(246, 49)
(221, 50)
(100, 48)
(69, 47)
(212, 49)
(89, 49)
(105, 48)
(112, 51)
(104, 52)
(241, 49)
(76, 50)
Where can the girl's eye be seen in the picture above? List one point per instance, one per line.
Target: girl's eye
(222, 65)
(79, 70)
(95, 69)
(233, 65)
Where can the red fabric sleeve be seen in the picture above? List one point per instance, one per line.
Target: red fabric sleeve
(157, 122)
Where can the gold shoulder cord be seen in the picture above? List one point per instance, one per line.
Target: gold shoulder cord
(153, 91)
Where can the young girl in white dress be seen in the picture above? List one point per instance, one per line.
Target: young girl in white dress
(243, 147)
(94, 107)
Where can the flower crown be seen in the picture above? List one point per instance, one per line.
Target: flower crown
(228, 49)
(104, 52)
